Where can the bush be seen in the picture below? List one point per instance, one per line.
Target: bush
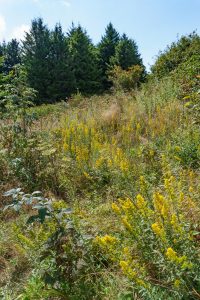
(176, 54)
(159, 246)
(126, 79)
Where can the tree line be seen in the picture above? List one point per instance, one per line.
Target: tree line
(58, 65)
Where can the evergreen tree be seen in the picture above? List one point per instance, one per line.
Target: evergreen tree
(83, 61)
(62, 80)
(3, 81)
(1, 50)
(126, 53)
(36, 57)
(3, 47)
(106, 49)
(12, 55)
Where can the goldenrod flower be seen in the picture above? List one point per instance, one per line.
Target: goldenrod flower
(116, 208)
(191, 190)
(127, 269)
(126, 224)
(124, 265)
(187, 265)
(177, 148)
(174, 220)
(157, 229)
(106, 240)
(177, 283)
(127, 204)
(171, 254)
(141, 203)
(65, 146)
(124, 165)
(158, 201)
(126, 251)
(165, 210)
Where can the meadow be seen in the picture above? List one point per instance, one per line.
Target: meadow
(100, 195)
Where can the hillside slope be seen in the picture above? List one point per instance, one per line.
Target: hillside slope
(112, 203)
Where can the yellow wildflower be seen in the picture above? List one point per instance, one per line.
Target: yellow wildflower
(116, 208)
(127, 204)
(124, 166)
(141, 282)
(174, 219)
(171, 254)
(181, 197)
(187, 265)
(177, 158)
(99, 162)
(151, 152)
(159, 200)
(126, 251)
(126, 224)
(127, 269)
(177, 148)
(157, 229)
(191, 190)
(165, 211)
(65, 146)
(106, 240)
(123, 264)
(167, 183)
(177, 283)
(138, 126)
(87, 175)
(141, 203)
(181, 259)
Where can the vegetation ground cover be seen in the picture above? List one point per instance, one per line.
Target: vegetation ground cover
(100, 195)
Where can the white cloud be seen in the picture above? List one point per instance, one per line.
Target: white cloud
(2, 27)
(19, 32)
(65, 3)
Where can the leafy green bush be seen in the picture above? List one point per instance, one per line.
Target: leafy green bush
(126, 79)
(176, 54)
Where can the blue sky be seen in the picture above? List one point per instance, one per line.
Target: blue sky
(153, 24)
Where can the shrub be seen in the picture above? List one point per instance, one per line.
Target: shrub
(126, 79)
(159, 246)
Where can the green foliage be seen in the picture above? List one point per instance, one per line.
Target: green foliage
(83, 61)
(62, 79)
(126, 79)
(36, 48)
(65, 253)
(17, 99)
(126, 53)
(59, 65)
(187, 148)
(106, 48)
(12, 55)
(138, 150)
(176, 54)
(4, 79)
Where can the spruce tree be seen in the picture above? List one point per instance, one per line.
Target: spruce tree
(106, 49)
(62, 79)
(12, 55)
(83, 61)
(126, 53)
(36, 58)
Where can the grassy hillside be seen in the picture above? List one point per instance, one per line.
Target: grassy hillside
(111, 203)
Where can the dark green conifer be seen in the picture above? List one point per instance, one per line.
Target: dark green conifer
(83, 61)
(106, 49)
(62, 79)
(36, 57)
